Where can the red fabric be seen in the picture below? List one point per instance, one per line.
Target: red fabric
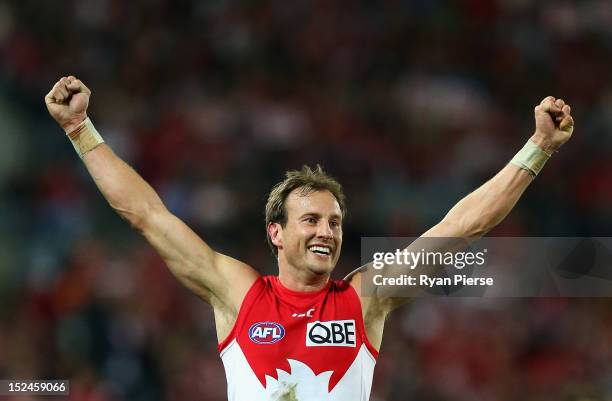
(269, 301)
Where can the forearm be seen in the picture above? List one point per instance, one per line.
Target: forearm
(483, 209)
(124, 189)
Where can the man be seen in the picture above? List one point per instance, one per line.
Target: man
(298, 336)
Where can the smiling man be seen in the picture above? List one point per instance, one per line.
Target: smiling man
(299, 335)
(304, 220)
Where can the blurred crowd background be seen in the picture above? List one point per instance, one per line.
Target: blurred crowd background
(411, 104)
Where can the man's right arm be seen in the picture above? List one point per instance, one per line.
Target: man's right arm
(191, 260)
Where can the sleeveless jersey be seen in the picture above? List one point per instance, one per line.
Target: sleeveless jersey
(304, 346)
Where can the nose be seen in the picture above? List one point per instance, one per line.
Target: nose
(324, 230)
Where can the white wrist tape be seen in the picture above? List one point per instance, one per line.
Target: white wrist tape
(531, 158)
(85, 137)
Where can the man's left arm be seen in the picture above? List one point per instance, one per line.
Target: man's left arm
(480, 211)
(486, 207)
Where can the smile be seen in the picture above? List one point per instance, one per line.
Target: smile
(320, 250)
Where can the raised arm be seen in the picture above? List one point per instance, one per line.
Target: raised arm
(191, 260)
(486, 207)
(480, 211)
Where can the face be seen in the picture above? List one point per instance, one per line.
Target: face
(312, 238)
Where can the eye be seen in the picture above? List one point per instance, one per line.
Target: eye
(334, 224)
(311, 220)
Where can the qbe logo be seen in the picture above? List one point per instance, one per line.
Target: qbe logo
(266, 332)
(333, 333)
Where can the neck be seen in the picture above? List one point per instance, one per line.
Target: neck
(299, 280)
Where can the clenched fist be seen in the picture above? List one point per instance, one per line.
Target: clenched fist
(67, 102)
(554, 124)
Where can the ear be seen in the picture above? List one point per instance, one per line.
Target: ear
(275, 231)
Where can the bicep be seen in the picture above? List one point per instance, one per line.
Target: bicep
(445, 229)
(385, 297)
(197, 266)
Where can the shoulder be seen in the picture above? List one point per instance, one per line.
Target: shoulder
(354, 278)
(341, 285)
(372, 305)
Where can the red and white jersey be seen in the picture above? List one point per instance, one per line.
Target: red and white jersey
(307, 346)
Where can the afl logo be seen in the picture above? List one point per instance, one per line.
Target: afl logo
(266, 332)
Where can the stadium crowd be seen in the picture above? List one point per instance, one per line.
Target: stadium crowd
(410, 104)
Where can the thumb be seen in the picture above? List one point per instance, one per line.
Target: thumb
(567, 124)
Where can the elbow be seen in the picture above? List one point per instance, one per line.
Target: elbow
(472, 229)
(478, 231)
(139, 216)
(481, 227)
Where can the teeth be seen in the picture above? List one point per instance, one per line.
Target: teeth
(320, 249)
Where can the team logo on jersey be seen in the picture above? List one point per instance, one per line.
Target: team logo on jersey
(333, 333)
(308, 313)
(266, 332)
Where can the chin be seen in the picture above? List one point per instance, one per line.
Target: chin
(321, 269)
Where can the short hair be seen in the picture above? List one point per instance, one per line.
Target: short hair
(307, 180)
